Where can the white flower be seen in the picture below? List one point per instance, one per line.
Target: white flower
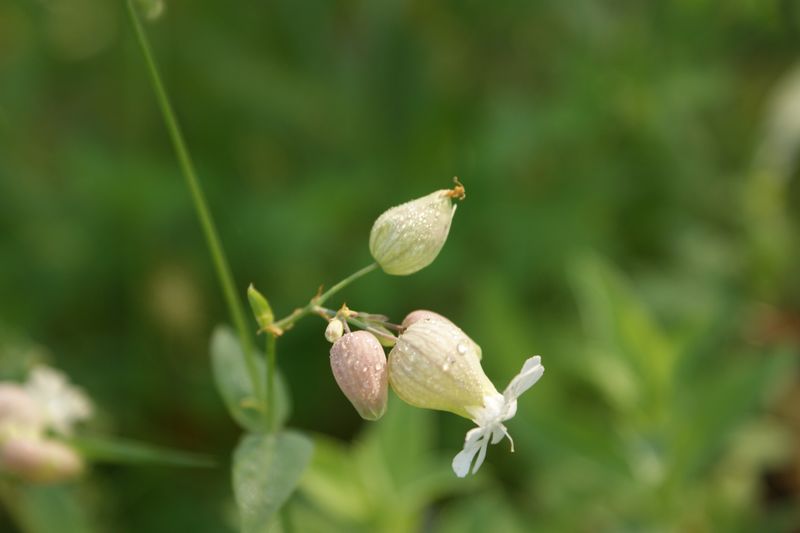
(497, 408)
(435, 365)
(63, 404)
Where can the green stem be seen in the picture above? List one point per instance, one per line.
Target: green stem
(330, 313)
(223, 271)
(287, 524)
(272, 415)
(289, 321)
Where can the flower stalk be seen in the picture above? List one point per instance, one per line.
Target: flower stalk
(223, 271)
(286, 323)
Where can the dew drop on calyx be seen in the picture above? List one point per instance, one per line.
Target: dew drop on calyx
(462, 347)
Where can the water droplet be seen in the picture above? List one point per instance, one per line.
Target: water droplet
(378, 367)
(446, 367)
(462, 347)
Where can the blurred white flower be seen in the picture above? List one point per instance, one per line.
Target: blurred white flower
(20, 414)
(63, 404)
(778, 152)
(38, 460)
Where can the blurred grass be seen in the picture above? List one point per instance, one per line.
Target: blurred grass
(624, 129)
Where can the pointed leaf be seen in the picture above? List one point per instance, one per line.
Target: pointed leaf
(115, 450)
(266, 470)
(621, 325)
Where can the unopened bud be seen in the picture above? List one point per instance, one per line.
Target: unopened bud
(407, 238)
(435, 365)
(39, 460)
(359, 367)
(335, 330)
(261, 308)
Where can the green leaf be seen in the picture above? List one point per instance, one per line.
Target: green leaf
(722, 402)
(405, 459)
(487, 512)
(115, 450)
(331, 484)
(47, 509)
(266, 470)
(236, 388)
(621, 326)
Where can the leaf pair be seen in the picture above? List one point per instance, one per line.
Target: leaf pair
(267, 466)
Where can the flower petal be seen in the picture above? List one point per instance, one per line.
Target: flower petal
(463, 459)
(531, 371)
(482, 455)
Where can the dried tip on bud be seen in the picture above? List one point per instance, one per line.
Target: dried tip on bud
(38, 460)
(407, 238)
(359, 367)
(261, 308)
(458, 191)
(335, 330)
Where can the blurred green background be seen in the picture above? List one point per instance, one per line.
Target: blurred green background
(631, 215)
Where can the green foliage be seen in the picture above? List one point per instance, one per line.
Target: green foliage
(385, 481)
(235, 387)
(266, 470)
(658, 135)
(681, 436)
(47, 509)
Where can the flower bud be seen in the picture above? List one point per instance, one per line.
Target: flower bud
(359, 367)
(335, 330)
(19, 412)
(407, 238)
(435, 365)
(39, 460)
(261, 308)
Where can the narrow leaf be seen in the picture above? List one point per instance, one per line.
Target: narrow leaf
(266, 470)
(115, 450)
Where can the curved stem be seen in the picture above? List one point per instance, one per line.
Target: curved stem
(289, 321)
(344, 283)
(221, 266)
